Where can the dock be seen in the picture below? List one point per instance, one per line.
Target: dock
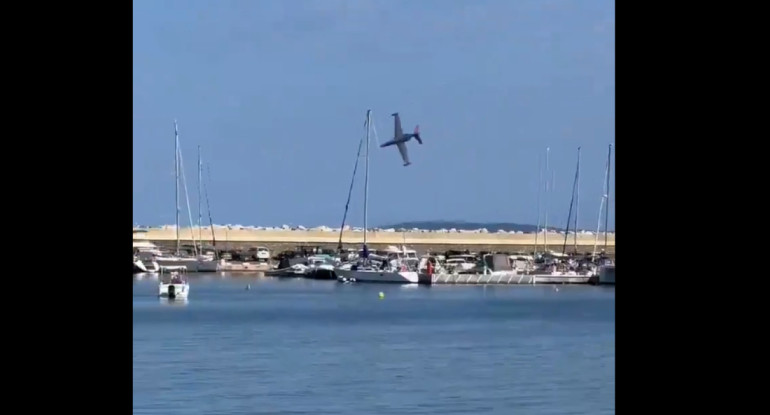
(509, 279)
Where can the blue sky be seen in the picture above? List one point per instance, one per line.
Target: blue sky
(275, 93)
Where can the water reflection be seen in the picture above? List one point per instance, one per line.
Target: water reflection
(151, 276)
(173, 301)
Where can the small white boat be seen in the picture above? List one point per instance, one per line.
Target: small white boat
(174, 286)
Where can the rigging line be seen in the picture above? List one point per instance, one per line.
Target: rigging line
(187, 198)
(208, 208)
(350, 192)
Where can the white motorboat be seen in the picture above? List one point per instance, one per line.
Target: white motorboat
(174, 286)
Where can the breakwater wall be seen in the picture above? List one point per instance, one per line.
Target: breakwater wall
(278, 240)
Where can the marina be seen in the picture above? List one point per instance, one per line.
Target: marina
(364, 255)
(373, 208)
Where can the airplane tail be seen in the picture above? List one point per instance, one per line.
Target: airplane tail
(417, 134)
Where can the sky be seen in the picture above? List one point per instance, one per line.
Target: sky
(275, 94)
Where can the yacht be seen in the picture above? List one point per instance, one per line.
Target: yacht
(144, 253)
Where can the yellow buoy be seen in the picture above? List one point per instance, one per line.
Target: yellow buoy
(382, 295)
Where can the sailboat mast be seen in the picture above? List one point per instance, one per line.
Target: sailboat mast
(601, 206)
(539, 184)
(577, 199)
(176, 181)
(547, 199)
(571, 204)
(208, 209)
(200, 170)
(607, 191)
(366, 175)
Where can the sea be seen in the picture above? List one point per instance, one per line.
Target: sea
(247, 345)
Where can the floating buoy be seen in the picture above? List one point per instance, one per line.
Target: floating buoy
(248, 287)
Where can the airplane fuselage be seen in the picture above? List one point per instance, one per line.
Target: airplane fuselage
(400, 139)
(403, 139)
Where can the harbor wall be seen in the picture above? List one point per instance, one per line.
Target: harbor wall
(422, 241)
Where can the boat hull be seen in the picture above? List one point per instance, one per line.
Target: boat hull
(321, 272)
(192, 264)
(405, 277)
(607, 275)
(173, 291)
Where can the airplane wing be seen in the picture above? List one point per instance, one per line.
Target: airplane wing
(404, 154)
(398, 132)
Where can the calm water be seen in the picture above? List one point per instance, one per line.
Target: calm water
(319, 347)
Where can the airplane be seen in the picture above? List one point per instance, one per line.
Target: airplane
(400, 139)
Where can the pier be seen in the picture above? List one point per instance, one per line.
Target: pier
(510, 279)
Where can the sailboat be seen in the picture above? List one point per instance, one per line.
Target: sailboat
(606, 266)
(372, 268)
(198, 262)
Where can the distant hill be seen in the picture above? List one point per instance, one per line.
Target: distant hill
(449, 224)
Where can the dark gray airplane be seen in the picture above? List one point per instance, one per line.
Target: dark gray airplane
(400, 139)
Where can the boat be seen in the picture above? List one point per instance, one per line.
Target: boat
(606, 267)
(461, 263)
(174, 285)
(435, 262)
(607, 274)
(198, 262)
(373, 268)
(294, 271)
(522, 262)
(141, 268)
(144, 253)
(381, 266)
(371, 274)
(321, 267)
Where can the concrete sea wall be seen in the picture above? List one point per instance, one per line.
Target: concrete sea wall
(289, 239)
